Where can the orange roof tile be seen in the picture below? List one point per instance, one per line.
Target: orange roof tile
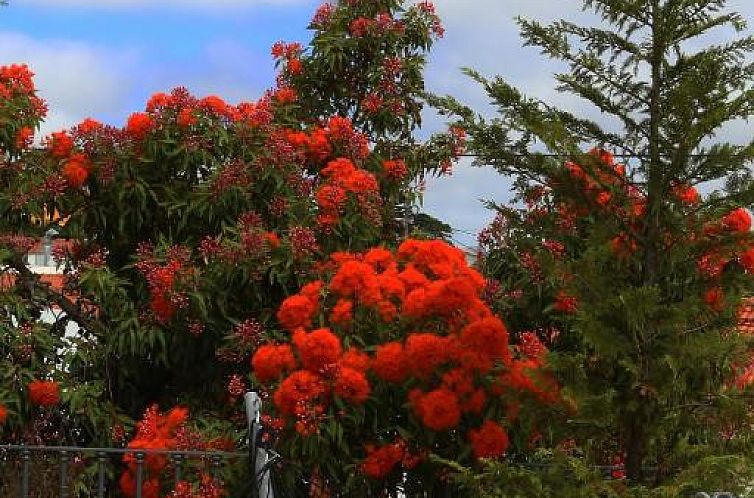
(54, 280)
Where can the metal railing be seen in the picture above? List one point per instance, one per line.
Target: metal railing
(102, 458)
(36, 471)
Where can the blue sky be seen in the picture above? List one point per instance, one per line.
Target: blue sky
(104, 58)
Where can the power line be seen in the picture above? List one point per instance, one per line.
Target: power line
(561, 156)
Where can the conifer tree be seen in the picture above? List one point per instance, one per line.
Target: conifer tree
(638, 273)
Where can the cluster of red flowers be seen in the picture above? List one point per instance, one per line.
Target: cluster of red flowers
(599, 182)
(395, 169)
(382, 24)
(139, 125)
(3, 414)
(186, 111)
(337, 138)
(341, 180)
(565, 303)
(207, 488)
(427, 8)
(457, 370)
(154, 431)
(605, 187)
(44, 392)
(382, 460)
(252, 243)
(317, 365)
(17, 86)
(736, 223)
(162, 279)
(323, 15)
(76, 169)
(291, 54)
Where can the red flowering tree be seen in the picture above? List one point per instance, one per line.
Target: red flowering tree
(635, 273)
(188, 226)
(392, 359)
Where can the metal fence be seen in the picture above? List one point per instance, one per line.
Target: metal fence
(72, 461)
(62, 466)
(28, 471)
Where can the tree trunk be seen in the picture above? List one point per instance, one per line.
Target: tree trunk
(635, 447)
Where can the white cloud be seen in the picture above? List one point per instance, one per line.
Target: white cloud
(457, 199)
(76, 79)
(213, 5)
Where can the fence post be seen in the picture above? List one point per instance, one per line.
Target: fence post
(258, 458)
(25, 457)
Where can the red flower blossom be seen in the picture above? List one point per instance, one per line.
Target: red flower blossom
(296, 311)
(488, 441)
(18, 77)
(76, 170)
(395, 169)
(737, 220)
(150, 488)
(294, 66)
(323, 14)
(272, 240)
(24, 137)
(711, 265)
(319, 350)
(438, 410)
(686, 194)
(89, 126)
(285, 95)
(355, 359)
(527, 375)
(746, 259)
(298, 389)
(389, 363)
(162, 307)
(271, 361)
(159, 101)
(60, 145)
(352, 386)
(487, 336)
(139, 125)
(44, 392)
(318, 147)
(215, 105)
(715, 298)
(565, 303)
(186, 118)
(458, 381)
(342, 312)
(424, 353)
(380, 462)
(476, 402)
(373, 102)
(531, 347)
(623, 245)
(360, 26)
(3, 414)
(358, 280)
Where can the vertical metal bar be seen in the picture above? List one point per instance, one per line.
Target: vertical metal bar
(253, 407)
(139, 473)
(63, 474)
(215, 470)
(101, 458)
(177, 464)
(25, 457)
